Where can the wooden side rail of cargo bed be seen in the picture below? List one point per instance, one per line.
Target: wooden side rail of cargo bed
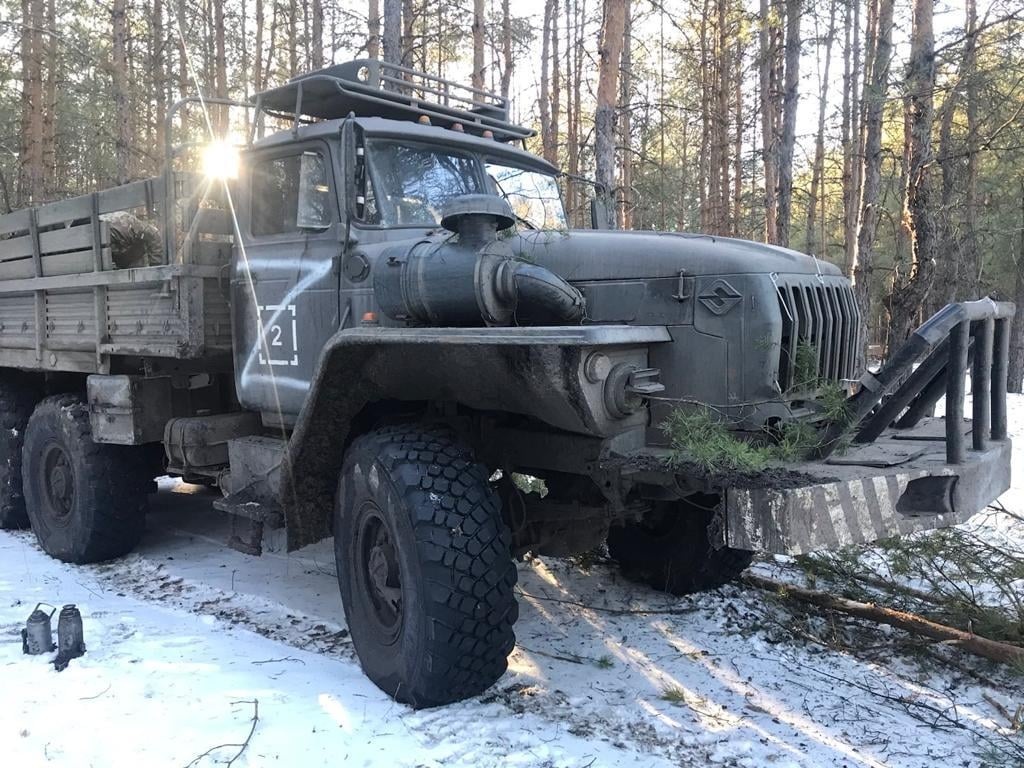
(70, 298)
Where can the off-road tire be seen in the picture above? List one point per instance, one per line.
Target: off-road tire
(433, 623)
(17, 399)
(86, 501)
(675, 554)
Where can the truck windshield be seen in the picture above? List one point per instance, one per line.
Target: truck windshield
(534, 196)
(411, 183)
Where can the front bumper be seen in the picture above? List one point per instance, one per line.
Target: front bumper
(897, 485)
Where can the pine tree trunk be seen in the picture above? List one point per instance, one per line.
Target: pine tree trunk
(556, 86)
(392, 42)
(1015, 377)
(49, 116)
(852, 150)
(478, 44)
(316, 43)
(122, 116)
(31, 174)
(787, 141)
(705, 161)
(814, 244)
(769, 138)
(506, 48)
(257, 58)
(544, 104)
(220, 67)
(910, 289)
(160, 74)
(373, 30)
(612, 35)
(293, 39)
(971, 286)
(408, 34)
(626, 123)
(875, 90)
(737, 173)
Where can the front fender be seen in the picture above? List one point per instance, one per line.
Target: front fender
(538, 372)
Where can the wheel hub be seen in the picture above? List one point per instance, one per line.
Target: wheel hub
(60, 481)
(380, 570)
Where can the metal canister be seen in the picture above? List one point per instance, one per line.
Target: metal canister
(70, 636)
(37, 636)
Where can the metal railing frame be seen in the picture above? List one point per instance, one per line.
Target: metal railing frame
(973, 334)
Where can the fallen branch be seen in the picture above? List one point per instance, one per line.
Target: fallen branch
(574, 659)
(612, 611)
(241, 747)
(1003, 653)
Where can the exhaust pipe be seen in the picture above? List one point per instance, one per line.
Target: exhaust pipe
(473, 279)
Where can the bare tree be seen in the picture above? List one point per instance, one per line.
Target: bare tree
(626, 122)
(612, 36)
(787, 141)
(769, 122)
(119, 69)
(544, 98)
(478, 44)
(818, 169)
(392, 39)
(1015, 377)
(876, 80)
(316, 43)
(508, 64)
(852, 149)
(373, 29)
(31, 158)
(911, 285)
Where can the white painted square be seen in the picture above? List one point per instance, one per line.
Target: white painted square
(279, 334)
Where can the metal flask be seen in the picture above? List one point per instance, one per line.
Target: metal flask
(70, 637)
(37, 636)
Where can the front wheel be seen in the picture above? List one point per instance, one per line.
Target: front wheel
(673, 552)
(424, 565)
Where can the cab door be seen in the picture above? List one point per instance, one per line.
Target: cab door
(285, 284)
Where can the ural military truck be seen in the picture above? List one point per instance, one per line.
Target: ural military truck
(383, 324)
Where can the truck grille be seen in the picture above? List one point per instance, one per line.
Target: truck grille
(820, 319)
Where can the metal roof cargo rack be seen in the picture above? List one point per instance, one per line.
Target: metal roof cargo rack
(371, 88)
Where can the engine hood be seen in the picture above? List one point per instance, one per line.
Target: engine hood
(585, 255)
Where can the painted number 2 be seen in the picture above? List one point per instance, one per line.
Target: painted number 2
(279, 341)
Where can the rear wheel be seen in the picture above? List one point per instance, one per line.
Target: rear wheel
(86, 501)
(17, 399)
(673, 552)
(424, 565)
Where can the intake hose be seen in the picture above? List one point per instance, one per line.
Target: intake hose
(538, 296)
(475, 279)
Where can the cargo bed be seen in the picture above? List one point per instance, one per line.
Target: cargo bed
(66, 304)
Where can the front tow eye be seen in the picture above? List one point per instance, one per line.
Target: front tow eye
(626, 387)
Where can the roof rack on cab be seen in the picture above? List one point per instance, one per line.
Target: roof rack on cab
(371, 88)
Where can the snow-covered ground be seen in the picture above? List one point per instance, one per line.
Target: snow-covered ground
(184, 636)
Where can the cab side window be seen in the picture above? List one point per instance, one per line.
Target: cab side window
(290, 194)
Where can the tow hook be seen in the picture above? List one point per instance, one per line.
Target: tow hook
(627, 386)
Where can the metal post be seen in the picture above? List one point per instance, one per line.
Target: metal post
(1001, 355)
(959, 339)
(981, 383)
